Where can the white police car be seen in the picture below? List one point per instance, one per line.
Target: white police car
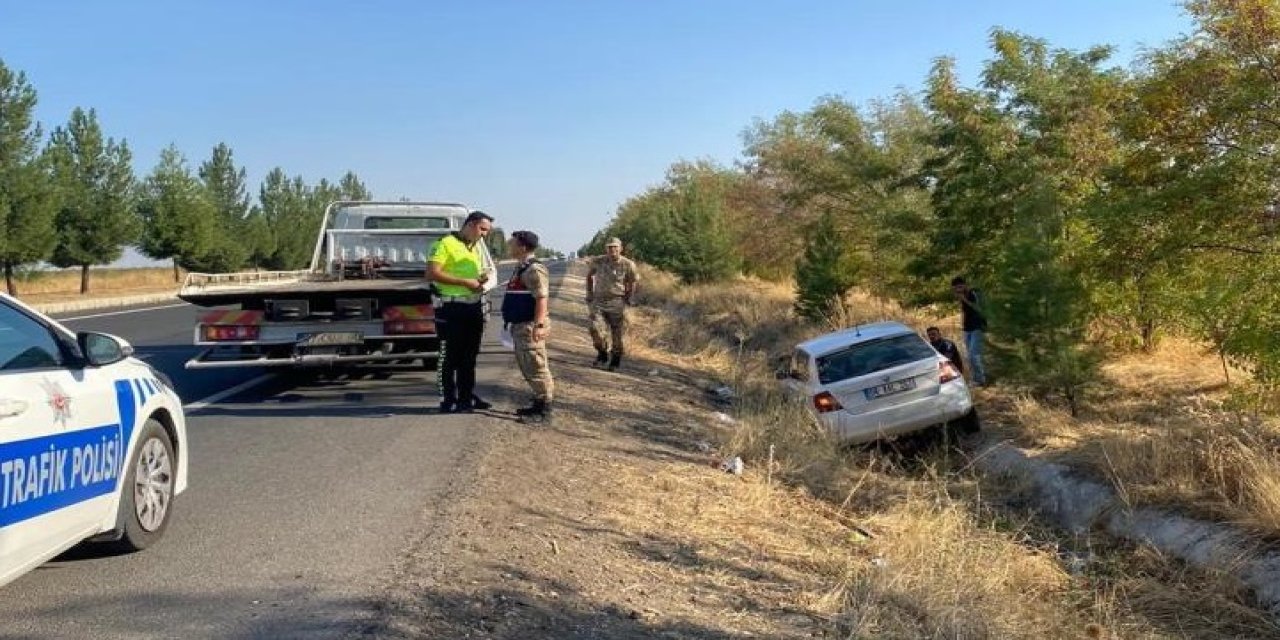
(92, 442)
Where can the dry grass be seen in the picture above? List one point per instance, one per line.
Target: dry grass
(1165, 427)
(949, 558)
(64, 284)
(1167, 430)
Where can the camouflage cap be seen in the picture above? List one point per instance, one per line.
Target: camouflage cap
(614, 242)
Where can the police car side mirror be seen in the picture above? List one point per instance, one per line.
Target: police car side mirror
(101, 349)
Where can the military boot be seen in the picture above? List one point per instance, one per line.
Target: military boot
(602, 357)
(615, 361)
(539, 413)
(538, 406)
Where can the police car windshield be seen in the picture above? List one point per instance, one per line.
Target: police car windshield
(872, 356)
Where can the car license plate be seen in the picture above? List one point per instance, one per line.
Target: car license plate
(330, 339)
(897, 386)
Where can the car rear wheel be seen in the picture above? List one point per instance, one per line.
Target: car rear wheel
(146, 497)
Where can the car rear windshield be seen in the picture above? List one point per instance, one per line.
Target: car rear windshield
(405, 222)
(870, 357)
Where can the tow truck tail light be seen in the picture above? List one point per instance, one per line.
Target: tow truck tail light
(222, 333)
(402, 327)
(826, 403)
(947, 372)
(408, 319)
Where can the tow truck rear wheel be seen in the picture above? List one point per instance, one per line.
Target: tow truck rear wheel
(146, 495)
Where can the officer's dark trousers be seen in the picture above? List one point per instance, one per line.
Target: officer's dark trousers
(461, 327)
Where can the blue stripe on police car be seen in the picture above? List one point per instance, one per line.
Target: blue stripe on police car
(41, 475)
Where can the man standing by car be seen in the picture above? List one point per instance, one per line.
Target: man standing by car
(974, 324)
(526, 312)
(611, 282)
(457, 269)
(946, 347)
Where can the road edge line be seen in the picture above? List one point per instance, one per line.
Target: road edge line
(211, 400)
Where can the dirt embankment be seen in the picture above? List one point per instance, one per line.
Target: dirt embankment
(617, 522)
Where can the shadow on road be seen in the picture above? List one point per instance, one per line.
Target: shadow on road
(290, 612)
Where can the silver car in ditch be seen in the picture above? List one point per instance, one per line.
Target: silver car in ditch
(877, 381)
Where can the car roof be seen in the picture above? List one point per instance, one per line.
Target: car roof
(837, 340)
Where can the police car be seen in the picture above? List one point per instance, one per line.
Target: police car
(92, 442)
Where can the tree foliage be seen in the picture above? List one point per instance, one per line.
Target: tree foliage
(179, 216)
(680, 226)
(95, 183)
(291, 213)
(230, 246)
(1096, 207)
(27, 200)
(824, 274)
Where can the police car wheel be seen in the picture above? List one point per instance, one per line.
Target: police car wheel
(146, 499)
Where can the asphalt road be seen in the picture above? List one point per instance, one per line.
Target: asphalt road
(304, 493)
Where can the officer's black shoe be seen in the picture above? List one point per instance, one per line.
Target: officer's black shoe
(465, 406)
(615, 361)
(446, 406)
(480, 405)
(602, 357)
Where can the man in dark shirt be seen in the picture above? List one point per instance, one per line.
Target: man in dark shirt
(946, 347)
(974, 324)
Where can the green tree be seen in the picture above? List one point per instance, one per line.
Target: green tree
(862, 166)
(231, 246)
(679, 226)
(704, 251)
(288, 209)
(1021, 159)
(824, 273)
(351, 188)
(27, 202)
(97, 217)
(1200, 189)
(179, 219)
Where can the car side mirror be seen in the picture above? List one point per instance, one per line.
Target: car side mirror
(101, 349)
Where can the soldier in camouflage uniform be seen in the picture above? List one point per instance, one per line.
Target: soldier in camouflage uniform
(611, 282)
(525, 310)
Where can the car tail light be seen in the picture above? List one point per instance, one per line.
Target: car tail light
(948, 372)
(222, 332)
(826, 403)
(402, 327)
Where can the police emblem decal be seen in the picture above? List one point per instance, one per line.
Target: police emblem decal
(59, 401)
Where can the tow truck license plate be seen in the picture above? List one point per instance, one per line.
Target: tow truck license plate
(330, 339)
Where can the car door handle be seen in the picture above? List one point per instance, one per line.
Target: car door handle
(10, 407)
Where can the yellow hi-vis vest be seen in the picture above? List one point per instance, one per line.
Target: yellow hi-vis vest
(458, 260)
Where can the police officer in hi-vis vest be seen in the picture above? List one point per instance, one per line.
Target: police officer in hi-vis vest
(457, 269)
(525, 310)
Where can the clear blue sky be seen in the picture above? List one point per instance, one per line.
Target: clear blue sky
(547, 114)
